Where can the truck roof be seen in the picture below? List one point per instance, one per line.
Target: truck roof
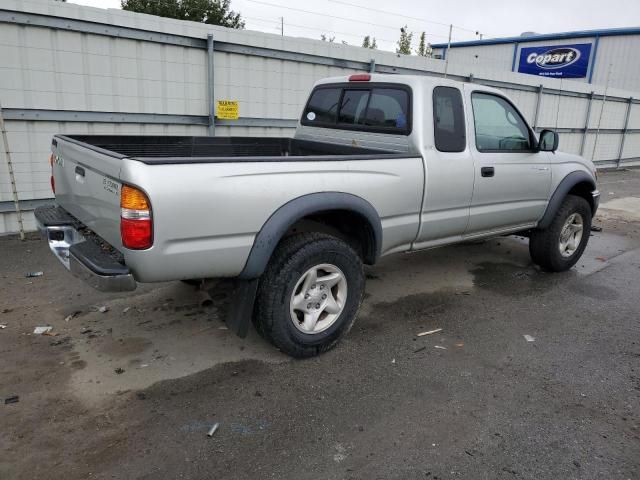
(411, 80)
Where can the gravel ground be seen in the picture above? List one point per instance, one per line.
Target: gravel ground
(131, 392)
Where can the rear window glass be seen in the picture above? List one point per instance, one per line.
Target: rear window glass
(388, 108)
(353, 106)
(323, 105)
(377, 109)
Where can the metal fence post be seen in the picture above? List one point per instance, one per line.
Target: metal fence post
(210, 83)
(586, 124)
(624, 131)
(12, 177)
(538, 102)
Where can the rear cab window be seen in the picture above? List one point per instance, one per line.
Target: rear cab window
(381, 108)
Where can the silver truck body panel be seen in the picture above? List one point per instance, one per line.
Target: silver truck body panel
(205, 223)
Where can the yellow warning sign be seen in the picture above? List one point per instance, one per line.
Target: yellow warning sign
(227, 109)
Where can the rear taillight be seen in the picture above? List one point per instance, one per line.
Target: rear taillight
(136, 224)
(53, 182)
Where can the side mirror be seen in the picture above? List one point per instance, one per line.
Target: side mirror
(548, 141)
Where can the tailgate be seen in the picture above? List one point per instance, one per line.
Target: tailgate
(88, 187)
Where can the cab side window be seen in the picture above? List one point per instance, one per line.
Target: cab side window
(448, 120)
(499, 126)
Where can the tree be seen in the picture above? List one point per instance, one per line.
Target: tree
(404, 43)
(422, 46)
(324, 38)
(369, 42)
(212, 12)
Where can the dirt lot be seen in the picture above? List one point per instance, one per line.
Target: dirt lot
(131, 392)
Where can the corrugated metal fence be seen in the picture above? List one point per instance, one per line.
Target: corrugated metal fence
(71, 69)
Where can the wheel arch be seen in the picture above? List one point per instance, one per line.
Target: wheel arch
(314, 206)
(575, 183)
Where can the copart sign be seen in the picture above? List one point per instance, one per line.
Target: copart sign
(570, 61)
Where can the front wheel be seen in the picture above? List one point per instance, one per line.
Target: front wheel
(558, 247)
(310, 293)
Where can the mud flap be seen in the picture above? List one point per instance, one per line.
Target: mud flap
(241, 307)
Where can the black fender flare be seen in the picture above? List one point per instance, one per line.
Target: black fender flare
(563, 189)
(284, 217)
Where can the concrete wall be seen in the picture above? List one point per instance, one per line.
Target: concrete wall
(139, 74)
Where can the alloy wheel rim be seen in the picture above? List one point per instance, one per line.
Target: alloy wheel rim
(571, 235)
(318, 298)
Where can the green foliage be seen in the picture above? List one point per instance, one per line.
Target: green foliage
(212, 12)
(404, 43)
(369, 42)
(324, 38)
(424, 48)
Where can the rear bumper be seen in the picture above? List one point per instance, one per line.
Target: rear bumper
(83, 253)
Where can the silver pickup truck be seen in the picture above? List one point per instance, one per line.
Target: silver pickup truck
(379, 164)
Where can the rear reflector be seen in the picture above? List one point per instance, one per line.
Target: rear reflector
(136, 224)
(360, 77)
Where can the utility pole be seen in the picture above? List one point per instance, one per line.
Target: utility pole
(282, 26)
(446, 60)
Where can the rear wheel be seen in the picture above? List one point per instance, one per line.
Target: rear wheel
(310, 293)
(558, 247)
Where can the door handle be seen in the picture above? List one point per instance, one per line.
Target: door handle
(487, 171)
(80, 171)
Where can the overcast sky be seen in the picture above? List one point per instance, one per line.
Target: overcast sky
(350, 20)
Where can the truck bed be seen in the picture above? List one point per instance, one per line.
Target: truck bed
(186, 149)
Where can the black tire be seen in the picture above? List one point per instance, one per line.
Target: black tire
(294, 256)
(544, 244)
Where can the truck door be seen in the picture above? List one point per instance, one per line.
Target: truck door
(448, 169)
(512, 178)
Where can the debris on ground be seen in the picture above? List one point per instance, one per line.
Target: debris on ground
(85, 331)
(419, 349)
(103, 309)
(3, 326)
(72, 316)
(393, 361)
(126, 309)
(602, 259)
(49, 333)
(429, 332)
(595, 228)
(440, 347)
(11, 399)
(213, 429)
(41, 330)
(34, 274)
(529, 338)
(119, 370)
(459, 344)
